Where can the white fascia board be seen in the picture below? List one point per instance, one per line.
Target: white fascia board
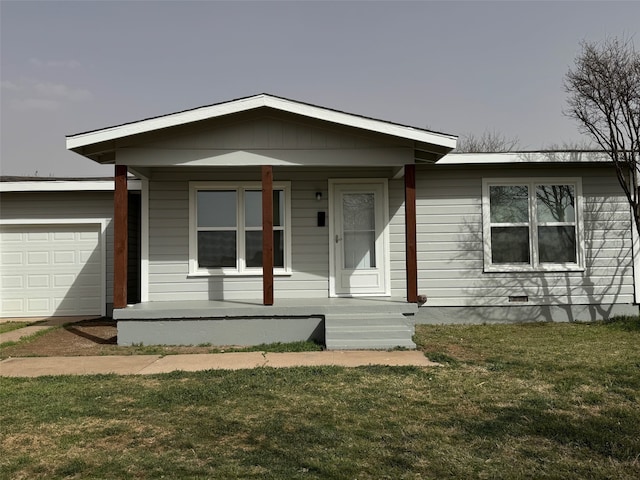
(171, 120)
(65, 186)
(523, 157)
(250, 103)
(364, 123)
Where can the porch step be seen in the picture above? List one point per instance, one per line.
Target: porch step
(362, 331)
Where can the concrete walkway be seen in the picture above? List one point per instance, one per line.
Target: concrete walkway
(36, 325)
(150, 364)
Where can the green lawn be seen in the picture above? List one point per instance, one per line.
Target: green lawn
(528, 401)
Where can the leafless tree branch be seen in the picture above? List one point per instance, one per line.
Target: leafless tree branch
(603, 90)
(491, 142)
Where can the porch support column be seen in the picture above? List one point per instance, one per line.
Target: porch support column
(120, 237)
(267, 235)
(410, 232)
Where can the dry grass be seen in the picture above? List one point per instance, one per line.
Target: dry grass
(10, 326)
(544, 401)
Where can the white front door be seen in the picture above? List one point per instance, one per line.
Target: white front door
(359, 238)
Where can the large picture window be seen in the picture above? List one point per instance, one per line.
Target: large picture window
(226, 228)
(532, 224)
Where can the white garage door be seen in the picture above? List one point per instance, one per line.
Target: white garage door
(48, 270)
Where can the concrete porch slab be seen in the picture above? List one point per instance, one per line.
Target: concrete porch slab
(304, 307)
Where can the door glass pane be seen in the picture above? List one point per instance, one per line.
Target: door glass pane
(359, 230)
(510, 245)
(216, 249)
(253, 208)
(253, 247)
(359, 250)
(358, 211)
(555, 203)
(509, 203)
(557, 244)
(216, 208)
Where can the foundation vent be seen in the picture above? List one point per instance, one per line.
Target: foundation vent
(518, 298)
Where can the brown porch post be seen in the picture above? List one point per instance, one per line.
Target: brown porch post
(267, 235)
(120, 238)
(410, 232)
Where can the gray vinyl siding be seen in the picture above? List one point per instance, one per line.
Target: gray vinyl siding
(450, 245)
(397, 243)
(449, 226)
(26, 206)
(276, 139)
(169, 235)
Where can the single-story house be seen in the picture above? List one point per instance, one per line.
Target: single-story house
(265, 219)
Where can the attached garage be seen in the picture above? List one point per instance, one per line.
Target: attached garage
(56, 246)
(51, 270)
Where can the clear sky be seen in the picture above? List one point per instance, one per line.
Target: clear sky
(454, 67)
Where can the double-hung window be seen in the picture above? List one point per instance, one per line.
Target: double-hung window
(532, 224)
(226, 228)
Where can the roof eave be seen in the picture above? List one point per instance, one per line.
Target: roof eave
(515, 158)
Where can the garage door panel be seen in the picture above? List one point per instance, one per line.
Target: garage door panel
(63, 280)
(38, 257)
(39, 304)
(11, 282)
(51, 270)
(11, 258)
(38, 281)
(64, 257)
(63, 236)
(88, 257)
(13, 304)
(37, 237)
(88, 302)
(11, 237)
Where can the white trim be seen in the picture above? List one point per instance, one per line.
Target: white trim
(534, 265)
(332, 183)
(144, 241)
(65, 186)
(101, 222)
(522, 157)
(635, 249)
(263, 100)
(240, 269)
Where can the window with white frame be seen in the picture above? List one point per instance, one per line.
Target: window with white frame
(532, 224)
(226, 228)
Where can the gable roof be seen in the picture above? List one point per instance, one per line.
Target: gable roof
(424, 139)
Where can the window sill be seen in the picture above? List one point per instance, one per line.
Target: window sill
(251, 273)
(530, 269)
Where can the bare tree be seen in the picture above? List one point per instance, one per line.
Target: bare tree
(604, 97)
(492, 142)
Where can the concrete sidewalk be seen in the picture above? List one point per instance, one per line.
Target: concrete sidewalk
(150, 364)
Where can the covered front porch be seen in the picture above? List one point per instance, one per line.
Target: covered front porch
(338, 323)
(311, 209)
